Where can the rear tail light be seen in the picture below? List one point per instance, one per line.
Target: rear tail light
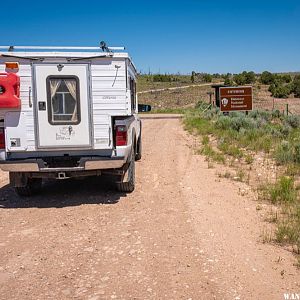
(2, 138)
(121, 135)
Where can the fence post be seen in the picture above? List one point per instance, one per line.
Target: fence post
(210, 93)
(287, 109)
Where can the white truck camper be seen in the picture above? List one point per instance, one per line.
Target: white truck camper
(68, 112)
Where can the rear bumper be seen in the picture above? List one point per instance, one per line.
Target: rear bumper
(85, 164)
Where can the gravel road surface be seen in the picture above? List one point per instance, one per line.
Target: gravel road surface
(183, 234)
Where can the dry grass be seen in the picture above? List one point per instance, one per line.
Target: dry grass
(172, 99)
(185, 98)
(262, 99)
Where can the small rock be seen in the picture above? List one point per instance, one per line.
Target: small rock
(105, 278)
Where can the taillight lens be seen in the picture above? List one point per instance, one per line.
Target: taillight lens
(12, 65)
(121, 135)
(2, 138)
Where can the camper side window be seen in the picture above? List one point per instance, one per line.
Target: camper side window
(63, 100)
(132, 94)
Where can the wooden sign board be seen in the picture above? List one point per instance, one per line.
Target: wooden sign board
(239, 98)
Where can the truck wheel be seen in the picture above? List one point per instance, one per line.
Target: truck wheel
(138, 155)
(32, 187)
(128, 185)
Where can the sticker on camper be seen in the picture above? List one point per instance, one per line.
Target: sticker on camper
(101, 141)
(65, 133)
(109, 97)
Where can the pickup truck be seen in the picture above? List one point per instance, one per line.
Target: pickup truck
(68, 114)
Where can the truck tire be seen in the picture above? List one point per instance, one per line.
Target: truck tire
(128, 185)
(32, 187)
(138, 155)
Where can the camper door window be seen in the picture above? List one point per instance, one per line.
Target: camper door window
(63, 100)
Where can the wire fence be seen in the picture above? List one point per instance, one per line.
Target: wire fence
(189, 97)
(287, 106)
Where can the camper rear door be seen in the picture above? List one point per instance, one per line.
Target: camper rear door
(63, 107)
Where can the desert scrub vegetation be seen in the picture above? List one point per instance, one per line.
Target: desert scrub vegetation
(168, 111)
(209, 152)
(240, 136)
(270, 132)
(284, 192)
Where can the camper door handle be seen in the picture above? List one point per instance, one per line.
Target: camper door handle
(29, 97)
(109, 133)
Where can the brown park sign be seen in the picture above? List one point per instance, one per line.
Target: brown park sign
(236, 98)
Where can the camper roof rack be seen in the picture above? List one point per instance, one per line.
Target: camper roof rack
(102, 47)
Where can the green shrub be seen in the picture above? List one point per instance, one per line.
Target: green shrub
(283, 191)
(276, 133)
(223, 122)
(287, 78)
(231, 150)
(207, 78)
(250, 77)
(297, 153)
(293, 121)
(249, 159)
(202, 105)
(256, 114)
(234, 114)
(272, 88)
(287, 233)
(276, 113)
(280, 91)
(296, 86)
(243, 122)
(200, 125)
(284, 153)
(193, 77)
(244, 78)
(228, 81)
(239, 79)
(208, 151)
(285, 129)
(267, 77)
(212, 113)
(162, 78)
(205, 140)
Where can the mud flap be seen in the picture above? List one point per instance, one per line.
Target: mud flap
(125, 176)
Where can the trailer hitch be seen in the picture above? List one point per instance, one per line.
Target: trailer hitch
(62, 175)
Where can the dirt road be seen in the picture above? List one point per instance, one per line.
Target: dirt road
(178, 87)
(183, 234)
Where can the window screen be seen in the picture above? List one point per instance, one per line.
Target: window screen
(63, 100)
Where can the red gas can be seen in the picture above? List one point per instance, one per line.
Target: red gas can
(9, 91)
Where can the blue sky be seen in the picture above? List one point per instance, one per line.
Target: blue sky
(167, 36)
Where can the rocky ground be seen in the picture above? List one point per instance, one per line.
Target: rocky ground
(185, 233)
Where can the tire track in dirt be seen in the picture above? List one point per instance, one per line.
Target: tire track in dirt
(181, 235)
